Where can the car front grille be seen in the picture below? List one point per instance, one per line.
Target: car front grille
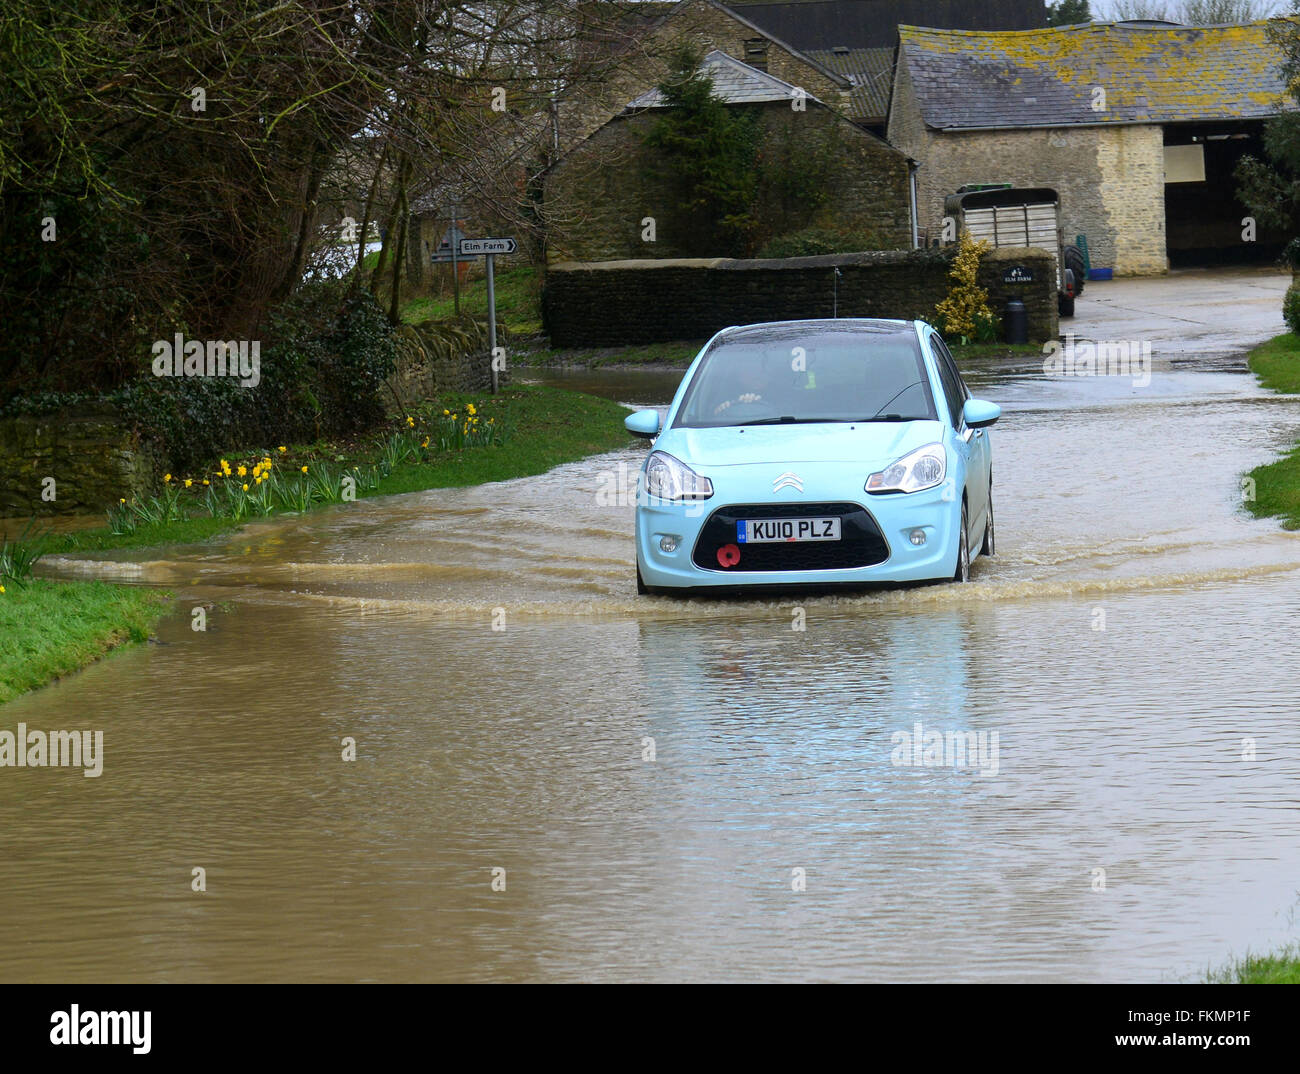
(861, 543)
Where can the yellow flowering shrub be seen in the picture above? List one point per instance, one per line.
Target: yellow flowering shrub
(967, 302)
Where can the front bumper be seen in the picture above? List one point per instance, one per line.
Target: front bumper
(694, 529)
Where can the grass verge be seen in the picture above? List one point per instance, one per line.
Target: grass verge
(50, 629)
(1281, 967)
(1277, 484)
(518, 294)
(550, 426)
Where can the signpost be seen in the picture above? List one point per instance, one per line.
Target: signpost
(489, 248)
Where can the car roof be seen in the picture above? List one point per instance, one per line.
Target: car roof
(824, 325)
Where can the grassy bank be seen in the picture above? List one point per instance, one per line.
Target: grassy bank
(518, 294)
(50, 629)
(547, 427)
(1277, 484)
(1282, 967)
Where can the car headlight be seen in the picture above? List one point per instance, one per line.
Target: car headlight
(670, 479)
(920, 469)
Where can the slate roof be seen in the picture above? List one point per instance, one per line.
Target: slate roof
(1045, 78)
(733, 81)
(871, 70)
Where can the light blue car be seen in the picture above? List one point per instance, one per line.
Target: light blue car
(815, 454)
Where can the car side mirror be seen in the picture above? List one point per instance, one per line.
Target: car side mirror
(644, 423)
(980, 413)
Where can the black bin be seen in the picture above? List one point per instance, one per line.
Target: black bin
(1015, 322)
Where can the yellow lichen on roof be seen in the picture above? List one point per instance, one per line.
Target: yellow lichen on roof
(1146, 72)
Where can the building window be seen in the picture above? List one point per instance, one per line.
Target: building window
(756, 53)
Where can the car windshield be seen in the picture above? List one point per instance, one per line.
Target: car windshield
(805, 373)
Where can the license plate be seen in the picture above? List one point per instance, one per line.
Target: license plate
(769, 530)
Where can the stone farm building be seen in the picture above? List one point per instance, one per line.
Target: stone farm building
(1137, 127)
(612, 182)
(857, 38)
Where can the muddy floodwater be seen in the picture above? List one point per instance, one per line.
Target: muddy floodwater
(658, 777)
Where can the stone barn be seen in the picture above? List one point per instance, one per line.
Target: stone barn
(599, 196)
(1138, 127)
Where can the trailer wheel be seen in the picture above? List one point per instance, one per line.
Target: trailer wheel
(1065, 305)
(1074, 261)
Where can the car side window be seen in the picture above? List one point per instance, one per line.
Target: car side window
(949, 378)
(961, 383)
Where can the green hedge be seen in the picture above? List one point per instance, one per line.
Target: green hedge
(324, 358)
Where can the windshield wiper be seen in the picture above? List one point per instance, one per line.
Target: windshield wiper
(787, 419)
(890, 417)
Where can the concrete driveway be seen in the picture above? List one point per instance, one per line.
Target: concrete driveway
(1189, 315)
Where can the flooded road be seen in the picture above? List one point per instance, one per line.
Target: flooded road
(651, 774)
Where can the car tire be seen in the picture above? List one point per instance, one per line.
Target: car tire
(986, 549)
(1065, 305)
(962, 574)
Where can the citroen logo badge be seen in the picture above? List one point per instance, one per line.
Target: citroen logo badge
(787, 480)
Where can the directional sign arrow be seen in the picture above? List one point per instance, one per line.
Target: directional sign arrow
(470, 247)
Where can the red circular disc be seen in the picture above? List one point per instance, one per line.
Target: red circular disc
(728, 555)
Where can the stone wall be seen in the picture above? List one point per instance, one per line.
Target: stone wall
(1039, 297)
(848, 180)
(617, 303)
(433, 359)
(93, 459)
(1110, 179)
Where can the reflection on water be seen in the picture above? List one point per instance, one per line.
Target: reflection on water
(649, 772)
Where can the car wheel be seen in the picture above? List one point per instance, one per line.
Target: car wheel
(1073, 258)
(986, 549)
(1065, 305)
(963, 550)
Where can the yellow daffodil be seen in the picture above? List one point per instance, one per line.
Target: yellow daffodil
(446, 412)
(2, 589)
(242, 471)
(245, 487)
(471, 409)
(283, 449)
(304, 469)
(410, 422)
(167, 478)
(122, 500)
(188, 482)
(424, 442)
(206, 481)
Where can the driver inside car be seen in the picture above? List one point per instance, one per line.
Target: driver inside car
(769, 384)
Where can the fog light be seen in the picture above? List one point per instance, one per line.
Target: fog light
(917, 537)
(668, 544)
